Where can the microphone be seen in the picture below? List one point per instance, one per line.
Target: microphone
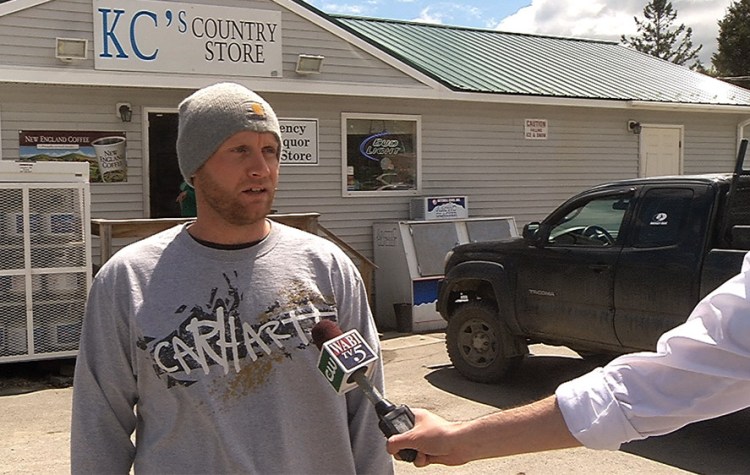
(347, 361)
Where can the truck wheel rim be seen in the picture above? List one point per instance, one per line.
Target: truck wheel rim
(477, 343)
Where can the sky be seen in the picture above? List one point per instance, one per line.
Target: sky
(595, 19)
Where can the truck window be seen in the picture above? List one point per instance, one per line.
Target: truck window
(659, 220)
(596, 223)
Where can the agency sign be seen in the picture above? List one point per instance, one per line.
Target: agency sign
(186, 38)
(299, 141)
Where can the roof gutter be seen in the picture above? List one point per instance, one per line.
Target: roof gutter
(525, 99)
(741, 131)
(96, 78)
(688, 107)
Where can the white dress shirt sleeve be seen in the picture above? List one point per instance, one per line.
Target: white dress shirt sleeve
(700, 370)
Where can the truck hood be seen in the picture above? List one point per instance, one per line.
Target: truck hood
(476, 251)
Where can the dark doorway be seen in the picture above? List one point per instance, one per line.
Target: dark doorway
(164, 173)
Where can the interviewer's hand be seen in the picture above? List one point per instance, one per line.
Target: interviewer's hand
(433, 437)
(531, 428)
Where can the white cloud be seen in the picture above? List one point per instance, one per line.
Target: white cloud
(360, 8)
(429, 15)
(344, 8)
(446, 13)
(608, 19)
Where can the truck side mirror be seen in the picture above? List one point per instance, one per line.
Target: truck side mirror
(531, 233)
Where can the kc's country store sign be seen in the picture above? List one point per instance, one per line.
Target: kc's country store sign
(186, 38)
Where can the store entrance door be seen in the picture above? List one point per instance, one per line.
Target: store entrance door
(164, 173)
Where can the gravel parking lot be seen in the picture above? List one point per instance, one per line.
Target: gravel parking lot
(35, 403)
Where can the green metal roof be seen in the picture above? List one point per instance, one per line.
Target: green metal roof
(490, 61)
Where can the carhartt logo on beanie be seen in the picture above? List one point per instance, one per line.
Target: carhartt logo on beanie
(213, 114)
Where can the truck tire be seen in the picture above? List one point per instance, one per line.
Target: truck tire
(480, 346)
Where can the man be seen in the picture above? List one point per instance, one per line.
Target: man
(700, 370)
(198, 339)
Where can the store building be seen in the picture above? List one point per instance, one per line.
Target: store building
(375, 112)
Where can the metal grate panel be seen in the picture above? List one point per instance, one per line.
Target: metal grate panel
(44, 268)
(11, 230)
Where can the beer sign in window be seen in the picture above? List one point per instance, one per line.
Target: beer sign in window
(381, 154)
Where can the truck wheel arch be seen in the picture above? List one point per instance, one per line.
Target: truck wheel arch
(486, 281)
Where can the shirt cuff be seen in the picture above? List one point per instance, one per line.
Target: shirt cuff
(592, 413)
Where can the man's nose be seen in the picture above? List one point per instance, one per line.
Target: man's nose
(256, 164)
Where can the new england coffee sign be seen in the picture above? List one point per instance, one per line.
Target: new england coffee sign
(186, 38)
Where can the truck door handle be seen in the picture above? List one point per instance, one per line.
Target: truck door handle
(600, 267)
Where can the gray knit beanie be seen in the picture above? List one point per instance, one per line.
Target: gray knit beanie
(213, 114)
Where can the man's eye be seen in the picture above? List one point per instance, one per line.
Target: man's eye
(269, 150)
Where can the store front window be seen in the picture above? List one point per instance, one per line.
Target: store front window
(381, 154)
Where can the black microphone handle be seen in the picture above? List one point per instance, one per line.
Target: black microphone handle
(393, 419)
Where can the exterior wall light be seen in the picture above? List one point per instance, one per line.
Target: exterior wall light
(68, 50)
(634, 127)
(309, 64)
(124, 111)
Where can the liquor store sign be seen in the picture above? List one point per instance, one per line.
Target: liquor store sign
(299, 139)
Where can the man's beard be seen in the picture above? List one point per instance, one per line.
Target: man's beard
(230, 209)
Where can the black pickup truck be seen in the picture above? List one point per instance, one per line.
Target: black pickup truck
(607, 272)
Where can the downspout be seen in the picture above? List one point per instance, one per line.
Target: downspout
(741, 131)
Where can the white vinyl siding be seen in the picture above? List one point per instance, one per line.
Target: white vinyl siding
(472, 147)
(469, 149)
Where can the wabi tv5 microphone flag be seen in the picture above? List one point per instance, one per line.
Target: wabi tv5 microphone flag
(342, 356)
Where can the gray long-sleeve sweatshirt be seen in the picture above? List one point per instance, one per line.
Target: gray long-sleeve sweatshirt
(206, 355)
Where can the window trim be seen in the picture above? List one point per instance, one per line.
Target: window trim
(417, 119)
(569, 207)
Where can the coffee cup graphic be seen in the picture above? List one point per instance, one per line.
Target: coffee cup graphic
(110, 156)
